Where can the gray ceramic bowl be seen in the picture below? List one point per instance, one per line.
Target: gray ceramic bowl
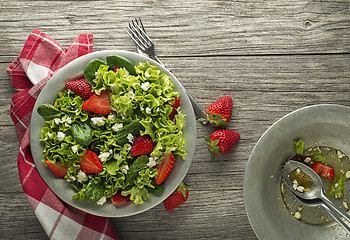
(324, 125)
(62, 188)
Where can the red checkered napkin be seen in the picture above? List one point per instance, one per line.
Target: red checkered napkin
(40, 58)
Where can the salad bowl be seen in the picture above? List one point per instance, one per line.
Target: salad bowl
(75, 70)
(318, 125)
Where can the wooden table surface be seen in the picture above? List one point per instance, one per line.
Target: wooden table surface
(270, 56)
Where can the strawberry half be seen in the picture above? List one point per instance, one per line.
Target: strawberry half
(175, 106)
(219, 113)
(89, 163)
(58, 170)
(99, 104)
(221, 142)
(164, 167)
(119, 200)
(80, 87)
(323, 170)
(177, 198)
(143, 145)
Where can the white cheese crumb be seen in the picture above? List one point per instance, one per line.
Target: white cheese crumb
(117, 156)
(102, 200)
(75, 148)
(340, 154)
(300, 189)
(148, 110)
(57, 121)
(130, 138)
(297, 215)
(298, 171)
(49, 134)
(103, 156)
(60, 136)
(66, 119)
(145, 86)
(307, 160)
(347, 174)
(124, 169)
(116, 127)
(82, 177)
(131, 95)
(152, 162)
(98, 121)
(111, 117)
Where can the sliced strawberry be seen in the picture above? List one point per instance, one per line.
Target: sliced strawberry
(164, 167)
(323, 170)
(175, 106)
(59, 170)
(143, 145)
(118, 200)
(80, 87)
(89, 163)
(99, 104)
(116, 69)
(177, 198)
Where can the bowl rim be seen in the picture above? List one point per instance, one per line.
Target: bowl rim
(73, 70)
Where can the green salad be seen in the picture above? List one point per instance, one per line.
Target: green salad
(141, 100)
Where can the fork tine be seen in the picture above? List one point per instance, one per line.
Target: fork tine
(135, 38)
(139, 35)
(142, 33)
(139, 22)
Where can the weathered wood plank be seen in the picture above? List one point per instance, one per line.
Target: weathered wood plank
(188, 28)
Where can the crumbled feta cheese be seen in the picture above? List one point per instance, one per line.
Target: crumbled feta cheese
(103, 156)
(70, 92)
(72, 178)
(97, 74)
(307, 160)
(124, 169)
(49, 134)
(131, 95)
(111, 117)
(148, 110)
(60, 136)
(102, 200)
(66, 119)
(117, 156)
(145, 86)
(142, 108)
(152, 161)
(130, 138)
(82, 177)
(57, 121)
(340, 154)
(297, 215)
(347, 174)
(298, 171)
(116, 127)
(75, 148)
(295, 184)
(300, 188)
(76, 111)
(98, 121)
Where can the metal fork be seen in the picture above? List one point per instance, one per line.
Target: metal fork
(138, 34)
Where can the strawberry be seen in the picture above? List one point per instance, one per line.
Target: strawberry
(323, 170)
(99, 104)
(58, 170)
(89, 163)
(116, 69)
(80, 87)
(143, 145)
(177, 198)
(219, 113)
(175, 106)
(164, 167)
(119, 200)
(221, 142)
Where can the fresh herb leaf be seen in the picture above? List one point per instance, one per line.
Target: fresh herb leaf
(338, 189)
(299, 146)
(49, 112)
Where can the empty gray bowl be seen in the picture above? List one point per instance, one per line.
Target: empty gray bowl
(322, 125)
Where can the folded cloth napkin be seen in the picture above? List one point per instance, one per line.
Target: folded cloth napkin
(40, 58)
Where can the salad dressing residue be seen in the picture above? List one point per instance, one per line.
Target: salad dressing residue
(316, 215)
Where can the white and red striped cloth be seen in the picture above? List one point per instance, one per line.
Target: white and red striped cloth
(40, 58)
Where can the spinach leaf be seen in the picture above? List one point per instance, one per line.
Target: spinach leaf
(82, 133)
(49, 112)
(91, 69)
(94, 191)
(139, 164)
(115, 61)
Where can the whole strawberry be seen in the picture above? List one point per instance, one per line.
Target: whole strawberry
(219, 113)
(221, 142)
(177, 198)
(80, 87)
(143, 145)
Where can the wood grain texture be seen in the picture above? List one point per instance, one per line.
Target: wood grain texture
(272, 57)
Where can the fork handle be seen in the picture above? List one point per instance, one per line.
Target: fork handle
(198, 110)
